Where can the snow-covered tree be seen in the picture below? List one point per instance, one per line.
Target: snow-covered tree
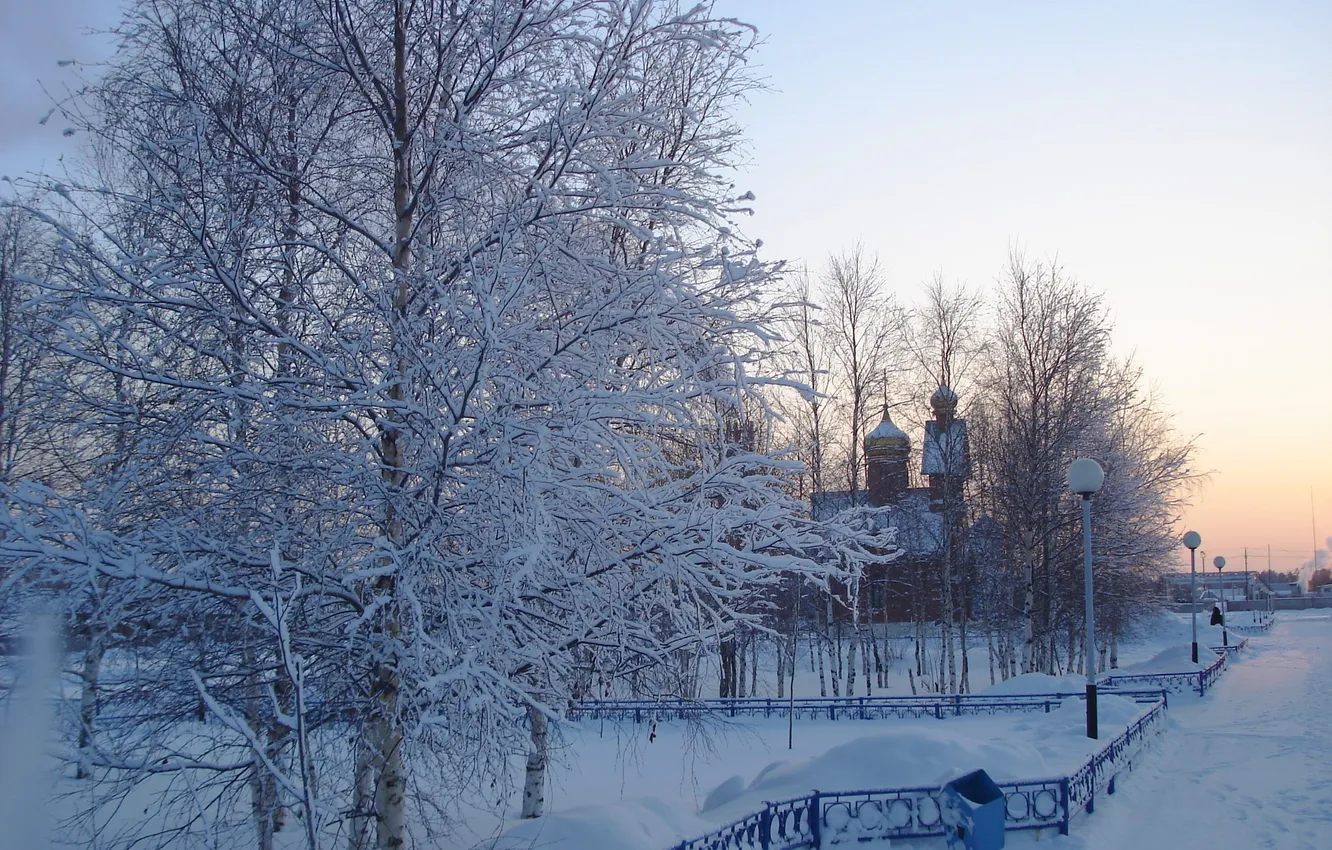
(426, 318)
(1051, 393)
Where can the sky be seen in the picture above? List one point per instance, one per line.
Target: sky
(1176, 157)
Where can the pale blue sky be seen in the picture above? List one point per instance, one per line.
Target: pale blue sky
(1177, 156)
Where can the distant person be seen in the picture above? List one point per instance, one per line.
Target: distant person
(1216, 616)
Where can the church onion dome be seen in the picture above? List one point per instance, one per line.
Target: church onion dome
(886, 435)
(943, 400)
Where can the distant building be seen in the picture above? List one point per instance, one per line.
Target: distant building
(931, 521)
(1238, 585)
(1286, 589)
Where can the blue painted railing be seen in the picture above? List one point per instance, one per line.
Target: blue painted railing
(835, 708)
(1230, 648)
(1198, 681)
(824, 820)
(1254, 628)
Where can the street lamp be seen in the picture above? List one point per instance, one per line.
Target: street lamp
(1085, 478)
(1193, 540)
(1219, 562)
(795, 627)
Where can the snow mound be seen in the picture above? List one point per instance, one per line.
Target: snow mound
(1111, 712)
(644, 824)
(1038, 683)
(918, 755)
(724, 793)
(1176, 659)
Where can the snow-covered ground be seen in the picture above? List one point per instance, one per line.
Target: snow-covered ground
(1247, 766)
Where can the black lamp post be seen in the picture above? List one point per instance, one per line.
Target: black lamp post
(1193, 540)
(1219, 562)
(1085, 478)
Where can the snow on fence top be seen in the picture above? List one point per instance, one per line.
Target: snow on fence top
(841, 708)
(1164, 671)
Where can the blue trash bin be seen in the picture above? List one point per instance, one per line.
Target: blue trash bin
(976, 812)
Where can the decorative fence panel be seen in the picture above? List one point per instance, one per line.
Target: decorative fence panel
(1258, 628)
(1176, 683)
(1099, 773)
(1230, 649)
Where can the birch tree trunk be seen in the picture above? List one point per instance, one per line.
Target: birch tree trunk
(865, 659)
(1029, 611)
(385, 727)
(361, 818)
(823, 682)
(534, 785)
(92, 673)
(753, 665)
(742, 666)
(989, 644)
(964, 685)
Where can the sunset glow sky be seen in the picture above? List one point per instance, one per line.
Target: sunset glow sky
(1175, 156)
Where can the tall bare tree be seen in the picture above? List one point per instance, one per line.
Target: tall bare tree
(945, 338)
(1040, 402)
(860, 319)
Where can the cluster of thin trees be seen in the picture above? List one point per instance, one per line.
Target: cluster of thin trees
(378, 383)
(1030, 358)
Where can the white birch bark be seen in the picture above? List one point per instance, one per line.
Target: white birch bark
(534, 783)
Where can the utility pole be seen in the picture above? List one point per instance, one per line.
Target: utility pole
(1271, 603)
(1247, 596)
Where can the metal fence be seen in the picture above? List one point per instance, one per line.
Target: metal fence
(1258, 628)
(824, 820)
(837, 708)
(1231, 648)
(1176, 683)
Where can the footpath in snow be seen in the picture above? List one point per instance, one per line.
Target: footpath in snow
(1247, 767)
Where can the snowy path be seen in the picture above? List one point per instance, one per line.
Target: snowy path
(1249, 766)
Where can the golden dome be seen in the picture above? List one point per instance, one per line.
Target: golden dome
(886, 435)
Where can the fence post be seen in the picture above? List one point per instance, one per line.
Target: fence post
(815, 820)
(1067, 804)
(765, 826)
